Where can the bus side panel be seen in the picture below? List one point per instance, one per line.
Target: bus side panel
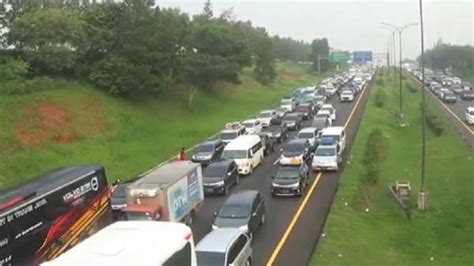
(46, 227)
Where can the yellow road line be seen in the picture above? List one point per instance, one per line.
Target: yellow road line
(293, 221)
(303, 204)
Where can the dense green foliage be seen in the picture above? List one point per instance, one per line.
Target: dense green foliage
(320, 54)
(380, 97)
(374, 155)
(443, 56)
(134, 47)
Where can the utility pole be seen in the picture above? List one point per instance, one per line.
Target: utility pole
(319, 64)
(400, 31)
(423, 198)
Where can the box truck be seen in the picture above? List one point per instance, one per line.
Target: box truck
(172, 192)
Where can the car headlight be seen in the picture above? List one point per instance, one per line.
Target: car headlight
(277, 135)
(214, 227)
(295, 185)
(220, 183)
(207, 157)
(244, 228)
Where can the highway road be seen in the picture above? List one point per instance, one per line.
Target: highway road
(292, 225)
(455, 114)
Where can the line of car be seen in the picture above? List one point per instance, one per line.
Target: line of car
(448, 88)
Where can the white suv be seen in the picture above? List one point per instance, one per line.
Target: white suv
(331, 110)
(252, 126)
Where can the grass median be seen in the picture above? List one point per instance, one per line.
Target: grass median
(366, 227)
(76, 124)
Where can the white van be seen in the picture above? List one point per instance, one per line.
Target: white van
(246, 151)
(327, 156)
(338, 133)
(134, 243)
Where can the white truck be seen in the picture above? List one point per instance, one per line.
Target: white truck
(172, 192)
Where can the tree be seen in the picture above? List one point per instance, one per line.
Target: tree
(207, 10)
(320, 54)
(48, 38)
(265, 60)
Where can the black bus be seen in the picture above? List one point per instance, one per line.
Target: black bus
(46, 216)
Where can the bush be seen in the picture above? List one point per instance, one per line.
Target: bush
(380, 98)
(380, 82)
(410, 88)
(434, 122)
(374, 154)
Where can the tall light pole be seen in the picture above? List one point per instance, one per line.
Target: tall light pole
(400, 31)
(423, 195)
(394, 51)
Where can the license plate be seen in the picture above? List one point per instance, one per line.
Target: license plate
(209, 189)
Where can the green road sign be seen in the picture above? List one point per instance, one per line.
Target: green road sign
(339, 57)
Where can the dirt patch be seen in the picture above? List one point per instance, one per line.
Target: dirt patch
(289, 75)
(44, 122)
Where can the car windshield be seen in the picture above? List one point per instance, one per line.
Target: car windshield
(205, 148)
(288, 173)
(306, 135)
(471, 113)
(336, 137)
(290, 118)
(234, 154)
(325, 151)
(228, 135)
(234, 211)
(280, 110)
(214, 171)
(329, 109)
(138, 216)
(324, 115)
(286, 101)
(210, 258)
(248, 125)
(119, 192)
(319, 97)
(265, 115)
(346, 93)
(294, 147)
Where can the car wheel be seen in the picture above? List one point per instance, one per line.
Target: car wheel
(236, 181)
(251, 169)
(301, 191)
(262, 220)
(226, 189)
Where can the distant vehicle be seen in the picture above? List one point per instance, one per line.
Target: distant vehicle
(311, 134)
(246, 151)
(252, 126)
(268, 143)
(288, 104)
(118, 198)
(331, 110)
(448, 97)
(442, 91)
(228, 135)
(295, 152)
(346, 96)
(281, 111)
(337, 133)
(219, 177)
(224, 246)
(37, 217)
(244, 210)
(469, 115)
(133, 243)
(208, 151)
(324, 114)
(457, 89)
(321, 122)
(467, 95)
(290, 180)
(306, 109)
(456, 81)
(173, 192)
(327, 156)
(319, 100)
(265, 116)
(293, 120)
(277, 130)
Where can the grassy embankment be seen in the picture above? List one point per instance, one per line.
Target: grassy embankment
(77, 124)
(383, 236)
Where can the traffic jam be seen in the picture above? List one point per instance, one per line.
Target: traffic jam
(73, 215)
(456, 94)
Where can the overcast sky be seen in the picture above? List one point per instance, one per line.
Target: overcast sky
(351, 25)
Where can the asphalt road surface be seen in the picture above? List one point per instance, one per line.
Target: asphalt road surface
(302, 233)
(455, 114)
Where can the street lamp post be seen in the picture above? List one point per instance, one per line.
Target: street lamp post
(394, 52)
(400, 31)
(423, 195)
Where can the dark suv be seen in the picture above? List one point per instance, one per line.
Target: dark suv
(290, 180)
(208, 151)
(219, 177)
(276, 130)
